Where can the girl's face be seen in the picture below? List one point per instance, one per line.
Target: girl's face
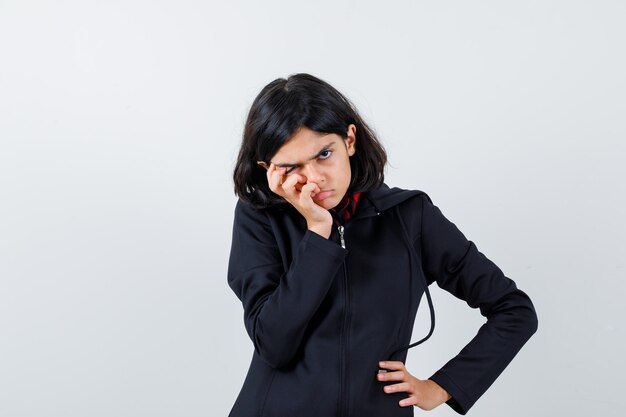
(321, 158)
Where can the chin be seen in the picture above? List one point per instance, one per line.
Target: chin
(328, 203)
(331, 204)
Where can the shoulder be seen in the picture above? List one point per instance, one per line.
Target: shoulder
(246, 213)
(385, 198)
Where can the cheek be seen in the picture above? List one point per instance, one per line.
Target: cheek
(339, 172)
(346, 171)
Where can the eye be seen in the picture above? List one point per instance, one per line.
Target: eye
(290, 170)
(325, 154)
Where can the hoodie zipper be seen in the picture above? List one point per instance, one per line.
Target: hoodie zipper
(343, 371)
(343, 242)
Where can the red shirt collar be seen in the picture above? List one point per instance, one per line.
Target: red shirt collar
(346, 208)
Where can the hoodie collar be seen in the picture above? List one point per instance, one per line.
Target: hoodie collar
(373, 201)
(376, 200)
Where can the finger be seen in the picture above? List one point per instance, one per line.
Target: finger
(409, 401)
(289, 185)
(293, 179)
(392, 376)
(274, 176)
(391, 364)
(302, 180)
(401, 387)
(299, 184)
(307, 190)
(270, 172)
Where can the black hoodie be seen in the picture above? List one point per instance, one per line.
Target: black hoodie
(321, 316)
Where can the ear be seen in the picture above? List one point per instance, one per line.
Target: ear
(350, 140)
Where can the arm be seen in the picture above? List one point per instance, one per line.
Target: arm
(461, 269)
(278, 303)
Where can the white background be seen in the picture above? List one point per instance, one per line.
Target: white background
(120, 123)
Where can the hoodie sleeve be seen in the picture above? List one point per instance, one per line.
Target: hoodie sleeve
(278, 303)
(461, 269)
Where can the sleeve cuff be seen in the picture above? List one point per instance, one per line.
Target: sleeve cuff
(459, 401)
(326, 245)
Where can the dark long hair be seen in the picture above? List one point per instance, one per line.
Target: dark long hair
(278, 111)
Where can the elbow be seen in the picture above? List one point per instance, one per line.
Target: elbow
(277, 348)
(521, 314)
(531, 319)
(276, 355)
(518, 320)
(276, 342)
(527, 323)
(533, 324)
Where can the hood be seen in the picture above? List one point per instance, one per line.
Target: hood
(377, 200)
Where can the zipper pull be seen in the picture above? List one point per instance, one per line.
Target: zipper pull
(343, 242)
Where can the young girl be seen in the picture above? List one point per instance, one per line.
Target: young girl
(330, 265)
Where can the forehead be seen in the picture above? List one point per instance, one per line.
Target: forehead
(304, 144)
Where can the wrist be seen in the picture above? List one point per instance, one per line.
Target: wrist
(321, 229)
(444, 394)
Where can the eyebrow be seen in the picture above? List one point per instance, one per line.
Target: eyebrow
(289, 165)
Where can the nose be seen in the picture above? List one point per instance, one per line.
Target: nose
(313, 174)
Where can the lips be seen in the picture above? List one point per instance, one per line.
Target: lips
(322, 195)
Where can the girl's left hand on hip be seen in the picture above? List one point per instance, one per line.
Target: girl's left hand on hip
(425, 394)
